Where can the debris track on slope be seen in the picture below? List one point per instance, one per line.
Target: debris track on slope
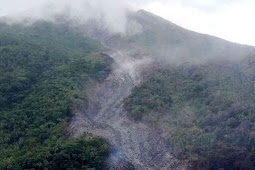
(136, 145)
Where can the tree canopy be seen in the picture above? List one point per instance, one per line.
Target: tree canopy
(44, 71)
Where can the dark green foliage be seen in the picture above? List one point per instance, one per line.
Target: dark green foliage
(207, 111)
(44, 69)
(75, 154)
(153, 98)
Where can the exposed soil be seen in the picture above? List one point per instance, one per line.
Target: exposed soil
(133, 145)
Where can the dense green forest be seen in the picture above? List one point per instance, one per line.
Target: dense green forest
(206, 112)
(44, 71)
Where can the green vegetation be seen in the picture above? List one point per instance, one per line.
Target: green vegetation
(206, 112)
(44, 71)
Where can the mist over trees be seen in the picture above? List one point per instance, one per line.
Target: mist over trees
(196, 89)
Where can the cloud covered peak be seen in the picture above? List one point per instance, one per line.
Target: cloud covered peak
(111, 13)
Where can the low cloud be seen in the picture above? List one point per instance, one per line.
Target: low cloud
(228, 19)
(111, 12)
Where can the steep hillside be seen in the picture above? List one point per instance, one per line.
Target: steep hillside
(163, 98)
(195, 91)
(44, 71)
(199, 92)
(150, 35)
(133, 145)
(206, 112)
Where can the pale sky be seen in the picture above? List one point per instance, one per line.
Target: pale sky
(232, 20)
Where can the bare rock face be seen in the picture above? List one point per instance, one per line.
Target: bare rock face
(114, 162)
(134, 145)
(121, 165)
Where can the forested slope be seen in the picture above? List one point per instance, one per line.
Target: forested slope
(206, 112)
(197, 90)
(44, 71)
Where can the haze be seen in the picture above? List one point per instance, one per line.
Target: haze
(228, 19)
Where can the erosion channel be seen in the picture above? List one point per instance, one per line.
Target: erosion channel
(133, 145)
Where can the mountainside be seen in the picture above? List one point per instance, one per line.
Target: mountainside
(199, 92)
(131, 143)
(206, 113)
(44, 71)
(154, 37)
(158, 97)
